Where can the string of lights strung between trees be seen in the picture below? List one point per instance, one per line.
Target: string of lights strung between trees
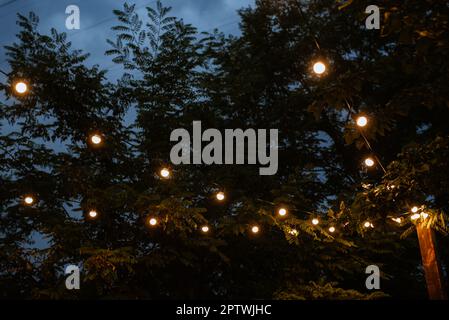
(21, 88)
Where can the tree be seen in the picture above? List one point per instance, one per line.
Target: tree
(261, 79)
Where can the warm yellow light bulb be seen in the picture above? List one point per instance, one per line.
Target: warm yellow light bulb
(152, 222)
(362, 121)
(294, 232)
(424, 215)
(165, 173)
(93, 214)
(96, 139)
(220, 196)
(255, 229)
(369, 162)
(319, 68)
(205, 229)
(397, 220)
(315, 221)
(415, 209)
(367, 224)
(21, 87)
(282, 212)
(29, 200)
(332, 229)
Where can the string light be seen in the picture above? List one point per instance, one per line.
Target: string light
(165, 173)
(96, 139)
(220, 196)
(282, 212)
(397, 220)
(93, 214)
(424, 215)
(152, 222)
(362, 121)
(21, 87)
(28, 200)
(369, 162)
(319, 67)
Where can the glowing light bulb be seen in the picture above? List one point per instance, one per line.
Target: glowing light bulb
(332, 229)
(319, 67)
(424, 215)
(416, 216)
(220, 196)
(282, 212)
(315, 221)
(369, 162)
(415, 209)
(152, 222)
(165, 173)
(205, 229)
(29, 200)
(93, 214)
(255, 229)
(96, 139)
(362, 121)
(397, 220)
(367, 224)
(21, 87)
(294, 232)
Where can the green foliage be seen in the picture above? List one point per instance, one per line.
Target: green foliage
(260, 79)
(326, 291)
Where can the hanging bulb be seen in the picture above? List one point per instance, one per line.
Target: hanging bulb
(315, 221)
(28, 200)
(362, 121)
(294, 232)
(332, 229)
(93, 214)
(397, 220)
(319, 67)
(255, 229)
(415, 209)
(282, 212)
(367, 224)
(369, 162)
(424, 215)
(205, 229)
(96, 139)
(220, 196)
(20, 87)
(165, 173)
(152, 222)
(416, 216)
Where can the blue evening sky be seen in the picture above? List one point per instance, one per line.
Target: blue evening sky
(97, 19)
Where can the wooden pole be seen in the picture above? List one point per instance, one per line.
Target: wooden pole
(432, 267)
